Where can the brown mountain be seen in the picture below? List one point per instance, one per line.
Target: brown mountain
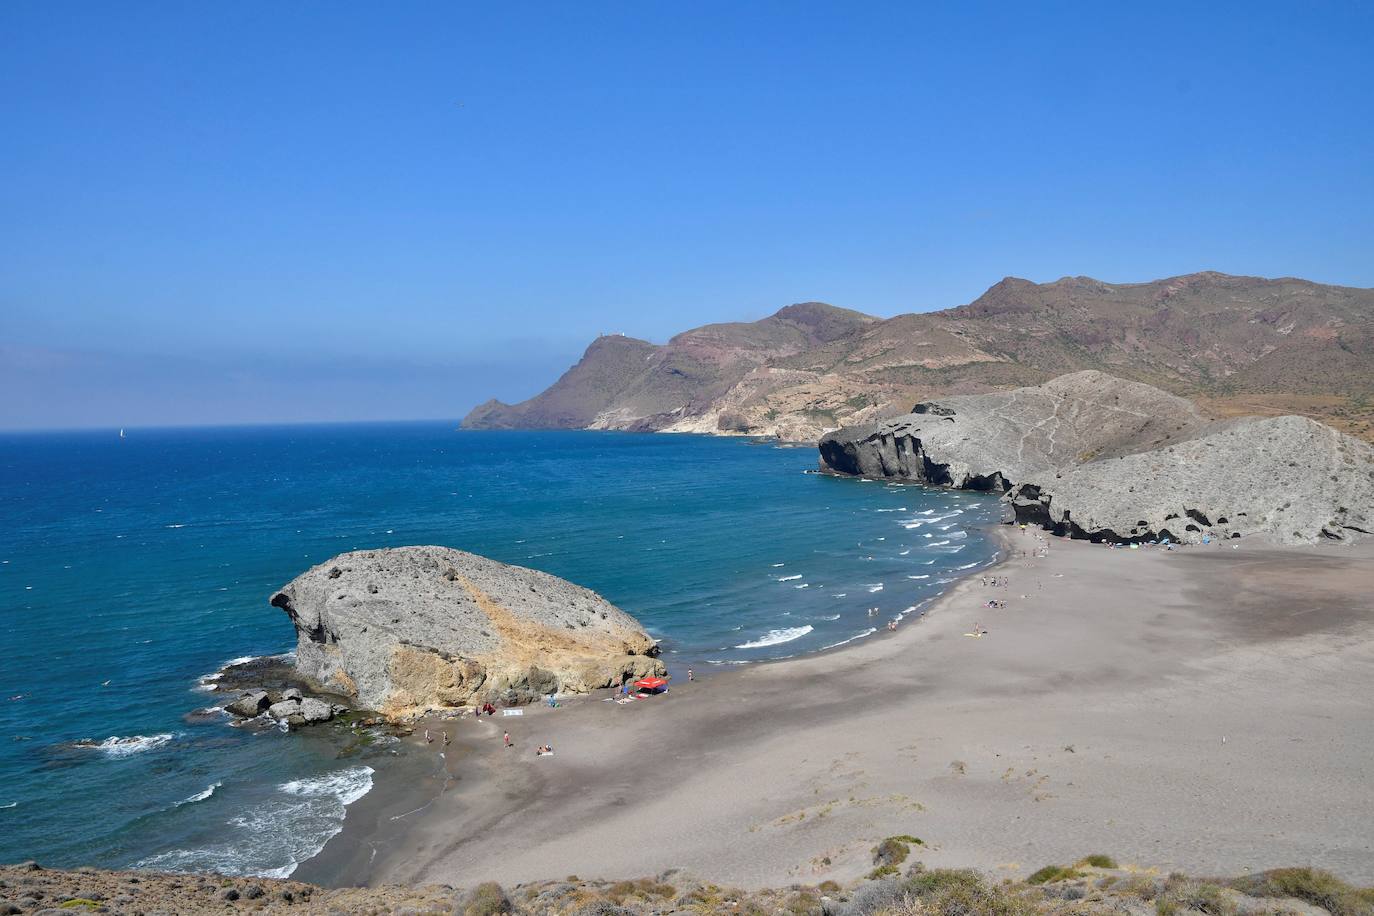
(1239, 344)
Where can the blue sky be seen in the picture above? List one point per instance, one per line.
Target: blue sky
(323, 211)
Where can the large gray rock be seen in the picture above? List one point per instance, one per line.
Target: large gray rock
(1287, 477)
(313, 710)
(1089, 455)
(410, 629)
(285, 709)
(989, 441)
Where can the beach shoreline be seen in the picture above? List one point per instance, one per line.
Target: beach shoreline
(1125, 701)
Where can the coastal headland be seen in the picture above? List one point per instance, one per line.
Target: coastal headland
(1203, 709)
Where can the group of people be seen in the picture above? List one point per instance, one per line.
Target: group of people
(996, 581)
(543, 750)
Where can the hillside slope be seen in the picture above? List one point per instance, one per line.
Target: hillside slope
(1240, 344)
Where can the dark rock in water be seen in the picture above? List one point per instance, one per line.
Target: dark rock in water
(250, 704)
(410, 629)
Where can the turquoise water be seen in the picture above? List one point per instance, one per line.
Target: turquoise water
(129, 569)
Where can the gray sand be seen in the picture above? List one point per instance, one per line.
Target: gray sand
(1205, 709)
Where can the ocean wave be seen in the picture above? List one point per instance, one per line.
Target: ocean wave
(939, 544)
(835, 645)
(967, 565)
(874, 588)
(777, 637)
(271, 840)
(788, 578)
(926, 576)
(118, 746)
(201, 795)
(803, 585)
(10, 805)
(829, 617)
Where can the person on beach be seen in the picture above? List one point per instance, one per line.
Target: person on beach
(429, 739)
(506, 737)
(690, 675)
(447, 739)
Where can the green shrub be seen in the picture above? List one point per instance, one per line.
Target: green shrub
(1197, 896)
(883, 871)
(936, 881)
(1097, 860)
(891, 851)
(79, 902)
(1052, 873)
(487, 899)
(1311, 885)
(828, 887)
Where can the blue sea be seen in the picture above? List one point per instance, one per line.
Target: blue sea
(132, 568)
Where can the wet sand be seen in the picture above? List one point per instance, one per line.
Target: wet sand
(1204, 709)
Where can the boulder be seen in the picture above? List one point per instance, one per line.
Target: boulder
(284, 709)
(313, 710)
(250, 704)
(292, 693)
(411, 629)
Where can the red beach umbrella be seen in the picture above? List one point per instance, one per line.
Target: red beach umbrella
(650, 683)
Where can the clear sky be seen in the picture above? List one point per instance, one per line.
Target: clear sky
(229, 212)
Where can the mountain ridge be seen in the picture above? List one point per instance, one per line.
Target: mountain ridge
(1238, 344)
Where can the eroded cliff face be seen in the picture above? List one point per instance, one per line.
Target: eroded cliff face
(411, 629)
(1092, 456)
(989, 441)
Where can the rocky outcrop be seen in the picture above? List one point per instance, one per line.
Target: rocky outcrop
(1089, 455)
(410, 629)
(1287, 477)
(990, 441)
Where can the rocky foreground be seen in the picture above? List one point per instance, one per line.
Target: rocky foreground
(1093, 456)
(410, 630)
(1094, 885)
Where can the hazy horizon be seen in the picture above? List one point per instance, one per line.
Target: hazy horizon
(249, 214)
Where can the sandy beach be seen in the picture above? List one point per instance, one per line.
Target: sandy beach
(1205, 709)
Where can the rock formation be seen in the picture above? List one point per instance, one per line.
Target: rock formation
(1289, 477)
(988, 441)
(1284, 345)
(410, 629)
(1089, 455)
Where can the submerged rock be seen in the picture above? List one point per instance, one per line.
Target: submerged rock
(410, 629)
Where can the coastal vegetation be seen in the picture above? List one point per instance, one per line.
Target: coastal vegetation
(1095, 885)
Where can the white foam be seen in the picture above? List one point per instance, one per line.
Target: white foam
(777, 637)
(967, 566)
(776, 565)
(803, 585)
(939, 544)
(174, 526)
(904, 552)
(272, 839)
(125, 747)
(788, 578)
(875, 588)
(835, 645)
(200, 796)
(927, 576)
(10, 805)
(829, 617)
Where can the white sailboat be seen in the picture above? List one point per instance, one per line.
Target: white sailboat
(121, 432)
